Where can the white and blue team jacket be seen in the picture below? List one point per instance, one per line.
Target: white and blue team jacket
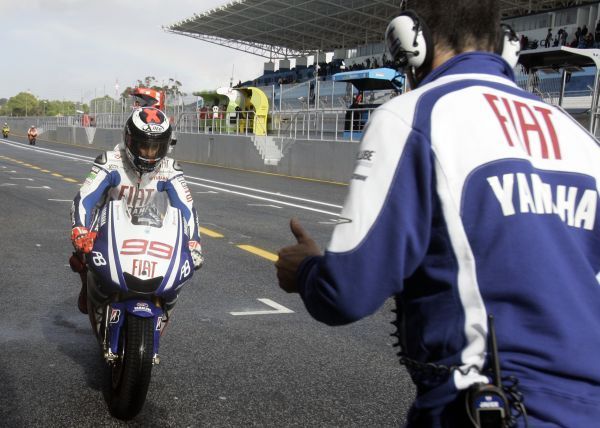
(113, 178)
(472, 197)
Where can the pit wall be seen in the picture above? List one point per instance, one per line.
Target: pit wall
(320, 160)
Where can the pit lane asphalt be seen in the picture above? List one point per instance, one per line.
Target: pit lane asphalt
(217, 369)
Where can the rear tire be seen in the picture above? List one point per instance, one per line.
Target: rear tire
(130, 376)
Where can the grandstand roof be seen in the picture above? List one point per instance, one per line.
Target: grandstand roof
(288, 28)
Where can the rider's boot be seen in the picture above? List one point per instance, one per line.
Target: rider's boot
(77, 263)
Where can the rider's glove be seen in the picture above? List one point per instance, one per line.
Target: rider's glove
(82, 238)
(196, 252)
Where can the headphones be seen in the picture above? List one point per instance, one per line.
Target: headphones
(409, 41)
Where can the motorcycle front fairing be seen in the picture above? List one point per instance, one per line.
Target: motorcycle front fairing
(139, 259)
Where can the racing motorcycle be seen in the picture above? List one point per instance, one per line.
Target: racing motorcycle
(137, 266)
(32, 139)
(5, 132)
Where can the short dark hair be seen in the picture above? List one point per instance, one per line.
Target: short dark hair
(461, 24)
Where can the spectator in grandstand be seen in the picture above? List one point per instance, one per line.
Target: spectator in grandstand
(597, 33)
(584, 31)
(577, 34)
(588, 40)
(548, 40)
(453, 210)
(524, 41)
(563, 37)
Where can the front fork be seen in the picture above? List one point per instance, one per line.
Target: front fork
(114, 318)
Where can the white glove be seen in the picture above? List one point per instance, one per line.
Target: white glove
(196, 252)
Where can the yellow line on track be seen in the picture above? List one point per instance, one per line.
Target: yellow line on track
(210, 233)
(259, 252)
(28, 165)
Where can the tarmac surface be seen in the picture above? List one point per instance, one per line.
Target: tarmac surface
(222, 364)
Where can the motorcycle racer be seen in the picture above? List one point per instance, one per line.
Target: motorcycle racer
(138, 171)
(32, 134)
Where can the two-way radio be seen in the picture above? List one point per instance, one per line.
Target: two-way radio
(487, 405)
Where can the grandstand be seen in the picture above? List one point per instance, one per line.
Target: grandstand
(323, 37)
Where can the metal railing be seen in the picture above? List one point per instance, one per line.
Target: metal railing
(323, 124)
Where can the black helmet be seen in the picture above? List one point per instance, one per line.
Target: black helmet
(147, 136)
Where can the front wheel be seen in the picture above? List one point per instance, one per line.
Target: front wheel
(130, 374)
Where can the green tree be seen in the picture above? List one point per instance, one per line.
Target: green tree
(22, 104)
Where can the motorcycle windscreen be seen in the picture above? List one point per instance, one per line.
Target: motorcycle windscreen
(146, 250)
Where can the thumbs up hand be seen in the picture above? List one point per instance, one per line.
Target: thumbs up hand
(291, 257)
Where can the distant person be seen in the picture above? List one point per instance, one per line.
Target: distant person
(32, 134)
(563, 37)
(523, 42)
(5, 130)
(548, 40)
(577, 34)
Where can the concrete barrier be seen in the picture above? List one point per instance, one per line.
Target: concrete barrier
(322, 160)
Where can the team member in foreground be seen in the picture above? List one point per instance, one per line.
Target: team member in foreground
(470, 198)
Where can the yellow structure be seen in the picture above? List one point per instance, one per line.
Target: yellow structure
(254, 107)
(257, 101)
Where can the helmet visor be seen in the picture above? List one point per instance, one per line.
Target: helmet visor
(149, 150)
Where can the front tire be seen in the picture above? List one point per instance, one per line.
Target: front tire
(130, 375)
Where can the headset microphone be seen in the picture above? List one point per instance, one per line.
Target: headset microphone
(409, 42)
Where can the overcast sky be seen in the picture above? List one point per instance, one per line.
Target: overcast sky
(78, 49)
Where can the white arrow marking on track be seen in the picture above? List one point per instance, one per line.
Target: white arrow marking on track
(210, 191)
(21, 178)
(61, 200)
(7, 184)
(279, 309)
(334, 221)
(38, 187)
(10, 172)
(263, 205)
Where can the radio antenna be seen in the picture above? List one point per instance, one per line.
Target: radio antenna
(495, 361)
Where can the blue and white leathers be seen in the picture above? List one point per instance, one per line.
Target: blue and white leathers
(472, 197)
(113, 178)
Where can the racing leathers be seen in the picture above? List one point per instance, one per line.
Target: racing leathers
(113, 178)
(472, 197)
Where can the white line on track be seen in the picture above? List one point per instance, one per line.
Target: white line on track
(280, 195)
(278, 309)
(263, 205)
(61, 200)
(72, 156)
(191, 179)
(260, 198)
